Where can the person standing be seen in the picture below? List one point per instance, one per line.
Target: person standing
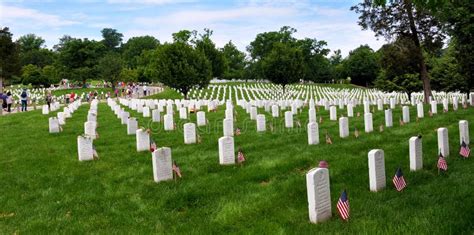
(144, 90)
(24, 100)
(9, 102)
(49, 99)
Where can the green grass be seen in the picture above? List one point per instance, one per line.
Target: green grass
(45, 189)
(167, 93)
(81, 90)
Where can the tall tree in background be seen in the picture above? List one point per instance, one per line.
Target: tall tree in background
(134, 47)
(33, 51)
(361, 65)
(396, 18)
(283, 65)
(111, 38)
(110, 67)
(217, 59)
(235, 60)
(9, 59)
(180, 66)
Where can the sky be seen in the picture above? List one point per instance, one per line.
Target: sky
(239, 20)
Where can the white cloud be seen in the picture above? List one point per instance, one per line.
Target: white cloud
(212, 16)
(31, 17)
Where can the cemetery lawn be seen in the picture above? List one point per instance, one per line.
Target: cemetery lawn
(45, 189)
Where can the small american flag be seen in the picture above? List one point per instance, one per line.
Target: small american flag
(442, 165)
(152, 146)
(95, 155)
(328, 139)
(320, 120)
(356, 133)
(445, 110)
(298, 123)
(199, 139)
(398, 180)
(465, 151)
(237, 131)
(381, 128)
(271, 127)
(358, 114)
(343, 206)
(176, 169)
(240, 156)
(430, 113)
(464, 105)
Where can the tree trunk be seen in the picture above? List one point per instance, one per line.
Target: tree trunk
(419, 52)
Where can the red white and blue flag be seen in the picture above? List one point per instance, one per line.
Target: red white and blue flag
(465, 151)
(176, 169)
(442, 164)
(343, 206)
(398, 180)
(240, 156)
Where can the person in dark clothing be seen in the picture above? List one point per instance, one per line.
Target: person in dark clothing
(24, 100)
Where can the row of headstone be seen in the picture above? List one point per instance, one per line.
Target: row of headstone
(56, 123)
(85, 147)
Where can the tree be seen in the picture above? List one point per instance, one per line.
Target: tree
(62, 41)
(283, 65)
(77, 59)
(316, 65)
(264, 42)
(31, 74)
(235, 60)
(111, 38)
(110, 67)
(180, 66)
(30, 42)
(128, 75)
(208, 48)
(9, 57)
(134, 47)
(404, 18)
(361, 65)
(185, 36)
(51, 74)
(446, 73)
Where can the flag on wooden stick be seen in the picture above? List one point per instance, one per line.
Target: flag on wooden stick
(381, 128)
(320, 119)
(240, 156)
(152, 146)
(237, 131)
(95, 155)
(401, 122)
(328, 138)
(442, 164)
(356, 133)
(176, 169)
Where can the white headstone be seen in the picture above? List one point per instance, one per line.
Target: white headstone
(319, 195)
(275, 111)
(53, 125)
(419, 110)
(332, 113)
(350, 110)
(143, 140)
(392, 103)
(343, 127)
(61, 118)
(189, 133)
(45, 109)
(416, 153)
(377, 170)
(84, 148)
(369, 127)
(229, 114)
(388, 118)
(443, 142)
(312, 115)
(434, 107)
(464, 132)
(313, 133)
(146, 111)
(162, 164)
(183, 113)
(289, 119)
(90, 129)
(156, 117)
(124, 117)
(366, 107)
(169, 122)
(380, 104)
(132, 126)
(226, 150)
(201, 118)
(91, 117)
(261, 124)
(228, 126)
(406, 114)
(253, 113)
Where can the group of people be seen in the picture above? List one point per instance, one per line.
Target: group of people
(8, 101)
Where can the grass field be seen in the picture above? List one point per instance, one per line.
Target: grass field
(45, 189)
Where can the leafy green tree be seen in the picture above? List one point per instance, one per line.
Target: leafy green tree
(446, 73)
(51, 74)
(235, 60)
(78, 59)
(283, 65)
(361, 65)
(111, 38)
(110, 67)
(264, 42)
(9, 57)
(133, 48)
(404, 18)
(129, 75)
(185, 36)
(180, 66)
(31, 74)
(208, 48)
(30, 42)
(62, 41)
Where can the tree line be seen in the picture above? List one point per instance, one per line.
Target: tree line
(430, 45)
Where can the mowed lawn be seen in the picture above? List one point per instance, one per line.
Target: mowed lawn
(45, 189)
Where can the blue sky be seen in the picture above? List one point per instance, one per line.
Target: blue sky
(239, 21)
